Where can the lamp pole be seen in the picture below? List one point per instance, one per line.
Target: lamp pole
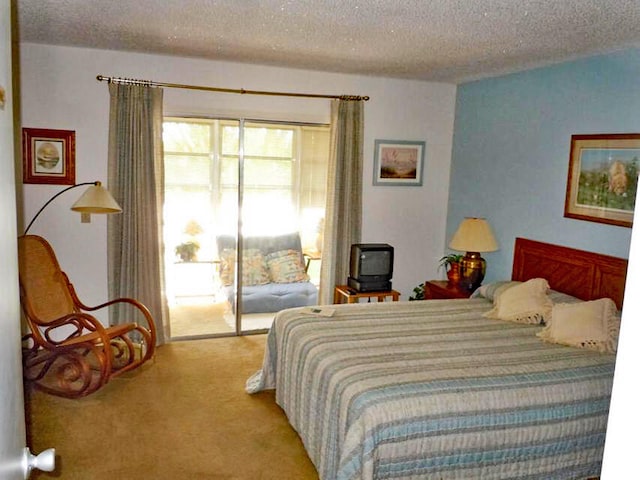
(53, 198)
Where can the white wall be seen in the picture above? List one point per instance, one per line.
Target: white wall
(12, 418)
(620, 449)
(59, 90)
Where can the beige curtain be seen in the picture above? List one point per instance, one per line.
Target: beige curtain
(343, 216)
(136, 179)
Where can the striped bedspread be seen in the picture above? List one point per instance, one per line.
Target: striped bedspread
(434, 390)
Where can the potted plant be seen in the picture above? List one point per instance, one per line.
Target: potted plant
(418, 293)
(187, 250)
(451, 265)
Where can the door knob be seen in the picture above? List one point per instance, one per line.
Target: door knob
(45, 461)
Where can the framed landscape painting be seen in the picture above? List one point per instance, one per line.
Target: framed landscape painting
(48, 156)
(398, 162)
(603, 178)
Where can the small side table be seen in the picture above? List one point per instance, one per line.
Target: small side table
(310, 255)
(441, 289)
(343, 291)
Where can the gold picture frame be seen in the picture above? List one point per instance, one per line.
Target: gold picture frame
(48, 156)
(603, 178)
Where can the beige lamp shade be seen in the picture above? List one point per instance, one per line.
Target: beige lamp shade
(474, 235)
(96, 199)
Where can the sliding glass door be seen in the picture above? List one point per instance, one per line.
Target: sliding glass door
(244, 208)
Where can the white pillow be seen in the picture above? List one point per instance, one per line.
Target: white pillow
(526, 302)
(594, 325)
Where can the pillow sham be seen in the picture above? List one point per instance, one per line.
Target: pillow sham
(526, 302)
(254, 267)
(594, 325)
(285, 266)
(490, 290)
(559, 297)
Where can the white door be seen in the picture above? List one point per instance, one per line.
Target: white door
(12, 427)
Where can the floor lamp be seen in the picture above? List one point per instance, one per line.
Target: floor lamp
(95, 199)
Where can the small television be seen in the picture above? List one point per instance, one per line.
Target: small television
(370, 267)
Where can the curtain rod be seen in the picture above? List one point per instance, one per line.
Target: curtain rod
(149, 83)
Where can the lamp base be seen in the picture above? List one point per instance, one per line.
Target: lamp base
(472, 270)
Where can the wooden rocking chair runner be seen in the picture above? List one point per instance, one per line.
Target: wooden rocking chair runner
(68, 352)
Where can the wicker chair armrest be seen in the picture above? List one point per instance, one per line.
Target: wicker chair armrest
(82, 322)
(131, 301)
(139, 305)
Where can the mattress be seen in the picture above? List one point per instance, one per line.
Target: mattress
(434, 390)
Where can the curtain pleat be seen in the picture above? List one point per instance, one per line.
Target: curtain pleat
(343, 216)
(136, 180)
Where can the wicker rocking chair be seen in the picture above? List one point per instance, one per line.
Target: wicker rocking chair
(68, 352)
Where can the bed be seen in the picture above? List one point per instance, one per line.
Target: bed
(435, 389)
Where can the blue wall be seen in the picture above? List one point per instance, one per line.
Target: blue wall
(511, 147)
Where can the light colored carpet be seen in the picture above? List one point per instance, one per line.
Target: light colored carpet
(198, 318)
(184, 416)
(252, 321)
(207, 318)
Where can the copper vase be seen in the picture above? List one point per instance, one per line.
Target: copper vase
(453, 274)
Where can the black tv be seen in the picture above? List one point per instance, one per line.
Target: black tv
(370, 267)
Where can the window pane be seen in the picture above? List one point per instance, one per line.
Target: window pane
(312, 184)
(186, 137)
(230, 140)
(268, 212)
(268, 142)
(267, 172)
(313, 163)
(185, 207)
(229, 171)
(228, 208)
(185, 169)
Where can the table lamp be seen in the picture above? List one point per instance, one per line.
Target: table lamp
(474, 236)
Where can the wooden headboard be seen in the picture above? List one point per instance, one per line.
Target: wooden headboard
(583, 274)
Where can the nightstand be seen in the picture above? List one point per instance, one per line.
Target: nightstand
(442, 289)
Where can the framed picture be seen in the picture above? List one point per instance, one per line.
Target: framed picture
(398, 162)
(603, 178)
(48, 156)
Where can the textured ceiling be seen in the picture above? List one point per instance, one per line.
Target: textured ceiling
(438, 40)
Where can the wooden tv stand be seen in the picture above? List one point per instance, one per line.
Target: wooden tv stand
(342, 292)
